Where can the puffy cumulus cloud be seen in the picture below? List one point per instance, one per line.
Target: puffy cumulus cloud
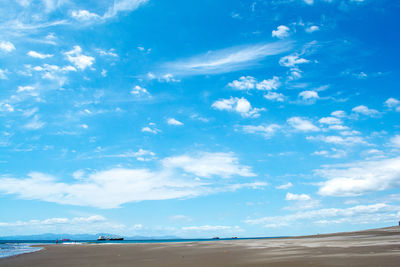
(80, 61)
(292, 60)
(330, 120)
(273, 96)
(239, 105)
(267, 131)
(139, 91)
(309, 2)
(151, 128)
(360, 177)
(365, 111)
(6, 46)
(339, 140)
(309, 96)
(339, 114)
(301, 197)
(172, 121)
(312, 28)
(374, 213)
(284, 186)
(243, 83)
(177, 178)
(84, 15)
(249, 82)
(395, 141)
(301, 124)
(206, 165)
(392, 103)
(271, 84)
(281, 32)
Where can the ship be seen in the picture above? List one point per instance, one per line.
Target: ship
(109, 238)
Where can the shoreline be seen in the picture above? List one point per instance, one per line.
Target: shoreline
(375, 247)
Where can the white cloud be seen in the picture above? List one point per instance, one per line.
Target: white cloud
(301, 197)
(123, 6)
(110, 52)
(84, 15)
(309, 96)
(339, 140)
(334, 153)
(25, 88)
(139, 91)
(77, 225)
(172, 121)
(393, 103)
(312, 28)
(140, 155)
(271, 84)
(209, 228)
(239, 105)
(360, 177)
(281, 32)
(273, 96)
(206, 165)
(265, 130)
(6, 46)
(176, 179)
(374, 213)
(339, 114)
(151, 128)
(395, 141)
(244, 83)
(38, 55)
(309, 2)
(34, 124)
(303, 125)
(248, 83)
(330, 120)
(284, 186)
(3, 74)
(292, 60)
(365, 111)
(80, 61)
(225, 60)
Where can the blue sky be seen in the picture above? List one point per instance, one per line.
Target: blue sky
(199, 118)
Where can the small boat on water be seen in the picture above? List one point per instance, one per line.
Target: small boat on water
(109, 238)
(65, 240)
(215, 237)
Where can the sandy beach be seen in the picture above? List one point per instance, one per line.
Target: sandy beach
(378, 247)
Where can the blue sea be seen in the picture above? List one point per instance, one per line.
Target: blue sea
(16, 247)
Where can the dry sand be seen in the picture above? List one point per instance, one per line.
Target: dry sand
(379, 247)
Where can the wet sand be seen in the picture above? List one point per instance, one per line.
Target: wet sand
(378, 247)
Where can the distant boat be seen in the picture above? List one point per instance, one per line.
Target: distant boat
(215, 237)
(109, 238)
(234, 237)
(65, 240)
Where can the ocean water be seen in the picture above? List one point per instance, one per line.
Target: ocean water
(12, 249)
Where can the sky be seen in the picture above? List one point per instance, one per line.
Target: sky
(199, 118)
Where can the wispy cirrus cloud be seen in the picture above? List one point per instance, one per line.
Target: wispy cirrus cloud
(176, 178)
(225, 60)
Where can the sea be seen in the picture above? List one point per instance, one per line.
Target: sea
(10, 248)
